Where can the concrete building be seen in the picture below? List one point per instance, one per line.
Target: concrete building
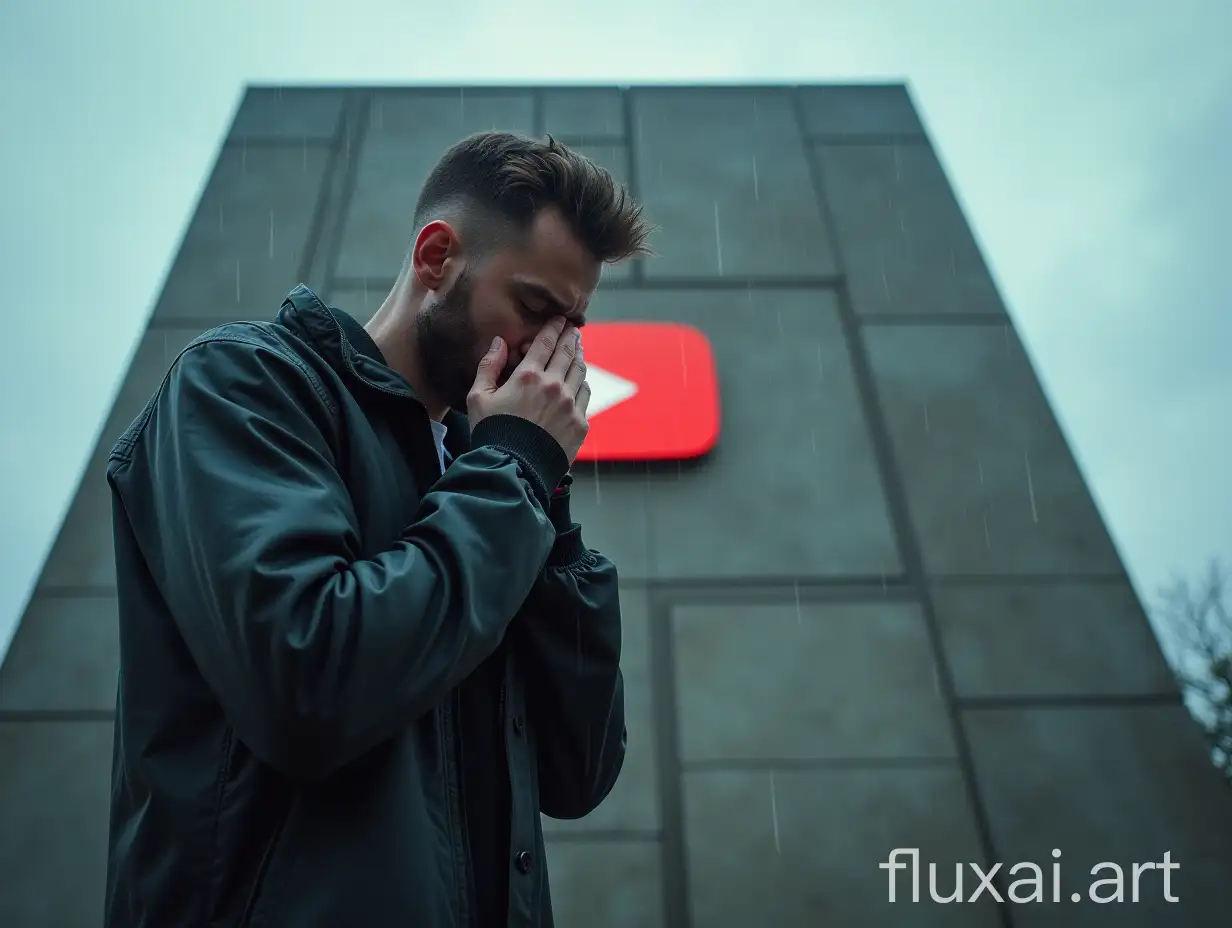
(883, 613)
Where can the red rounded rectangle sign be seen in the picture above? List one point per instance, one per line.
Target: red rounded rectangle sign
(654, 393)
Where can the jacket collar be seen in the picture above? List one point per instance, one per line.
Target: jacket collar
(333, 334)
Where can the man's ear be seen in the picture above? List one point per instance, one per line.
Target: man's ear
(436, 244)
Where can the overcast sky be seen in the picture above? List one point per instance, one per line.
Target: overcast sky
(1090, 144)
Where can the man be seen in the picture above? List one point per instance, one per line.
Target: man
(363, 645)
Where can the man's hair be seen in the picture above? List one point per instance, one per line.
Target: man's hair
(494, 184)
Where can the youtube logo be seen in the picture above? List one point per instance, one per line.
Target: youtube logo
(654, 393)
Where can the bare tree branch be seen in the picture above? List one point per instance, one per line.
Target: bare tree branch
(1201, 620)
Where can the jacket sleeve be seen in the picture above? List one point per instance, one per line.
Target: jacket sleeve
(316, 650)
(569, 644)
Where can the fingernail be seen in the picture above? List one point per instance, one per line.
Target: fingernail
(495, 343)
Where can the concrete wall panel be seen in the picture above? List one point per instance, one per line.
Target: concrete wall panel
(55, 797)
(584, 113)
(1084, 639)
(248, 236)
(286, 114)
(724, 173)
(606, 884)
(801, 848)
(65, 657)
(819, 671)
(859, 110)
(905, 244)
(406, 134)
(991, 483)
(1113, 784)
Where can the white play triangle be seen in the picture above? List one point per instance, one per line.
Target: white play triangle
(606, 390)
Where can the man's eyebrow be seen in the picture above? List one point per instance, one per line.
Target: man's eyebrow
(554, 305)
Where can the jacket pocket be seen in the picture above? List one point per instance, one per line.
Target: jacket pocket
(259, 877)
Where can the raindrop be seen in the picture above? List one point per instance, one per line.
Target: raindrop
(271, 235)
(365, 286)
(756, 186)
(987, 537)
(244, 156)
(305, 150)
(898, 167)
(795, 585)
(885, 283)
(684, 361)
(718, 238)
(237, 280)
(927, 427)
(813, 434)
(774, 815)
(883, 583)
(1031, 488)
(462, 104)
(380, 115)
(979, 463)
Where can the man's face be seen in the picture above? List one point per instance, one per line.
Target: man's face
(513, 294)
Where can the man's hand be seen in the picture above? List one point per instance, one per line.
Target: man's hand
(549, 387)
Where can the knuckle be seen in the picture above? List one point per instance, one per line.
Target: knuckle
(528, 377)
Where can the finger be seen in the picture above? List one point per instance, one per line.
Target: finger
(490, 367)
(583, 398)
(544, 345)
(576, 375)
(566, 352)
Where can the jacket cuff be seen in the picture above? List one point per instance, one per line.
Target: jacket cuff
(558, 512)
(568, 547)
(541, 456)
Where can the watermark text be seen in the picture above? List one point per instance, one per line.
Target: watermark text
(1033, 886)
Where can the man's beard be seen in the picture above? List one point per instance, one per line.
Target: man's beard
(447, 344)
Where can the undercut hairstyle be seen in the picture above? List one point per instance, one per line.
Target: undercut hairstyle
(492, 185)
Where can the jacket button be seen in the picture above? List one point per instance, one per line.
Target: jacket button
(517, 725)
(523, 861)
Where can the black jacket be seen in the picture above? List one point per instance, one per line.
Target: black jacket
(304, 601)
